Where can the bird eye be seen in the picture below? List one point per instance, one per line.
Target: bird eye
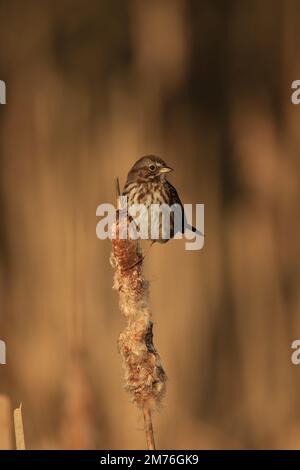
(152, 167)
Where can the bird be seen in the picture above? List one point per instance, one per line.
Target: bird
(147, 184)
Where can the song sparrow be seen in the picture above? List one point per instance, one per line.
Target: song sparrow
(147, 184)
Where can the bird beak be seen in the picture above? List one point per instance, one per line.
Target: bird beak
(165, 169)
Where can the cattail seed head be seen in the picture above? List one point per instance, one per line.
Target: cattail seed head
(145, 378)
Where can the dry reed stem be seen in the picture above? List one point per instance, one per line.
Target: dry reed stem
(5, 423)
(145, 378)
(149, 428)
(19, 429)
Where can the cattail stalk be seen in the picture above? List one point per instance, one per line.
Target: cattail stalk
(148, 428)
(144, 376)
(19, 430)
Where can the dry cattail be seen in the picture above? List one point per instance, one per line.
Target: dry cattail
(145, 378)
(19, 429)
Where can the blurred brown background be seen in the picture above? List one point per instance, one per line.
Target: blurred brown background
(91, 86)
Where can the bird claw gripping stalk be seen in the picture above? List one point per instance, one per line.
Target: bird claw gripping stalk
(145, 378)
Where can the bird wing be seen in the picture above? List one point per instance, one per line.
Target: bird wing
(175, 199)
(174, 195)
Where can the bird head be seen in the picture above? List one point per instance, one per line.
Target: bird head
(149, 169)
